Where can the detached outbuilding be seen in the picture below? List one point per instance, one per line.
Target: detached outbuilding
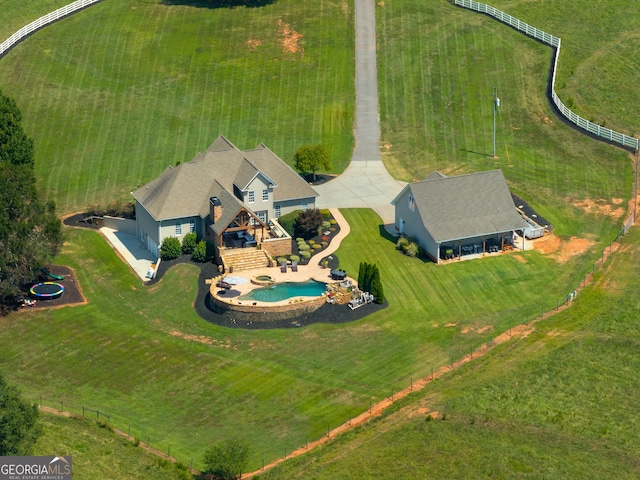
(461, 215)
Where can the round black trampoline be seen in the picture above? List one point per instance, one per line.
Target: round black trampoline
(47, 290)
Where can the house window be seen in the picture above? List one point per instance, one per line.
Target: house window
(251, 197)
(178, 228)
(278, 211)
(262, 216)
(412, 203)
(192, 225)
(305, 205)
(265, 195)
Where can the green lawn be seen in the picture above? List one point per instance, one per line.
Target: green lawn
(115, 93)
(560, 403)
(99, 453)
(438, 65)
(15, 14)
(275, 387)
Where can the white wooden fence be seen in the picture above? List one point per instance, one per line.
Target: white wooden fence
(583, 123)
(43, 21)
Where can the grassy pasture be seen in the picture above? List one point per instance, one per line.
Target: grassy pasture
(438, 65)
(16, 14)
(559, 403)
(132, 352)
(115, 93)
(99, 453)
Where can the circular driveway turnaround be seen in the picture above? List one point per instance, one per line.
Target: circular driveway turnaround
(366, 182)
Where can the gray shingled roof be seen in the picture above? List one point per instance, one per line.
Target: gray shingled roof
(465, 206)
(290, 184)
(184, 191)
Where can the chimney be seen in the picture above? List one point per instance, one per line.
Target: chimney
(215, 209)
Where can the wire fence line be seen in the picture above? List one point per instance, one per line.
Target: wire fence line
(555, 42)
(43, 21)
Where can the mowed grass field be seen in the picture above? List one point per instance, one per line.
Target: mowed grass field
(143, 356)
(16, 14)
(115, 93)
(137, 72)
(438, 66)
(560, 403)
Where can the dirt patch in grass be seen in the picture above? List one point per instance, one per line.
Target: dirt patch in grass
(472, 329)
(289, 38)
(201, 339)
(520, 258)
(602, 206)
(562, 250)
(575, 246)
(547, 244)
(253, 44)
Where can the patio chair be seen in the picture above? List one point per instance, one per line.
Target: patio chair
(283, 267)
(294, 266)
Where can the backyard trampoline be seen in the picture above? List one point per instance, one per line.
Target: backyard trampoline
(46, 290)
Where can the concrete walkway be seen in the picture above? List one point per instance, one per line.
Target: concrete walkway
(366, 182)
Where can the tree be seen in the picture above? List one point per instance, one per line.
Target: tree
(30, 232)
(226, 459)
(312, 158)
(308, 222)
(376, 286)
(19, 427)
(15, 146)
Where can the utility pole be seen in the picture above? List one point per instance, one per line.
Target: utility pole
(496, 104)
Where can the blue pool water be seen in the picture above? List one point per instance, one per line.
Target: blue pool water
(282, 291)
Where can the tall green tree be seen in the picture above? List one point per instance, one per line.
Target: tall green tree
(15, 146)
(19, 427)
(311, 158)
(30, 232)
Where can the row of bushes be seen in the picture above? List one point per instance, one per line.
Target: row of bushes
(116, 208)
(172, 248)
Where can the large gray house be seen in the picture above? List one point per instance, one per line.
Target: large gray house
(223, 191)
(465, 214)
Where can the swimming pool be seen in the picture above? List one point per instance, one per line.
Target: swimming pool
(283, 291)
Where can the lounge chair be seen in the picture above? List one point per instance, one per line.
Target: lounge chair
(223, 284)
(294, 266)
(283, 267)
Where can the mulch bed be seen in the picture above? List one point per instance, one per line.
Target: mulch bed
(333, 314)
(72, 293)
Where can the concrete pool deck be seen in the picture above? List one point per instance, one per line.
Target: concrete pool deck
(311, 271)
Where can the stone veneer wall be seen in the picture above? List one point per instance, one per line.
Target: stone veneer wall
(277, 247)
(257, 313)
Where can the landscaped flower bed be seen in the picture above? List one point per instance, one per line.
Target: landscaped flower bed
(304, 249)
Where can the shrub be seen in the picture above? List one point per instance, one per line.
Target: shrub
(299, 239)
(411, 249)
(326, 213)
(305, 254)
(311, 242)
(332, 222)
(332, 229)
(281, 260)
(170, 248)
(288, 222)
(294, 258)
(189, 242)
(326, 225)
(303, 246)
(200, 252)
(315, 246)
(308, 222)
(401, 243)
(324, 244)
